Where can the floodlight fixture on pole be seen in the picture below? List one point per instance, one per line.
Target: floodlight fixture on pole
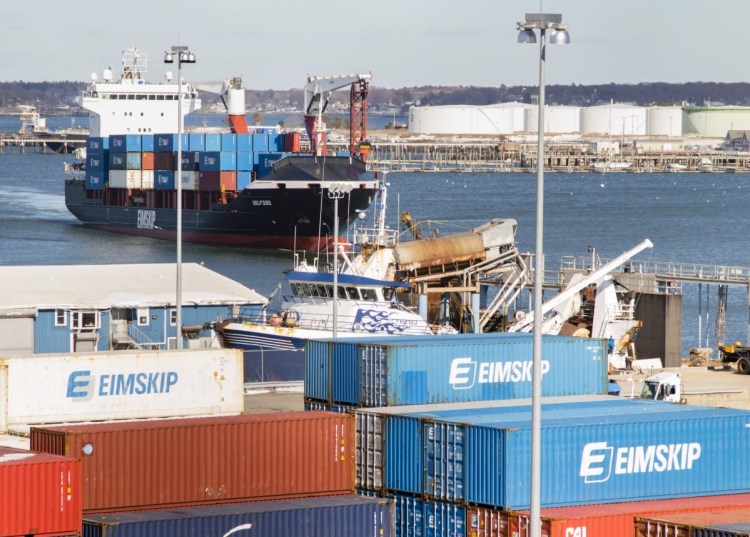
(182, 54)
(336, 191)
(559, 36)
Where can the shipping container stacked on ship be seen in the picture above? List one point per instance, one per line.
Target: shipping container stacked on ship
(417, 370)
(213, 164)
(596, 450)
(140, 465)
(40, 494)
(332, 516)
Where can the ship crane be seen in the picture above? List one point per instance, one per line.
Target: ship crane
(232, 95)
(318, 90)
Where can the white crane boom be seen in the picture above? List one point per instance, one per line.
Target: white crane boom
(525, 324)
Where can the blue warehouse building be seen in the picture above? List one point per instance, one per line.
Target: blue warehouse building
(89, 308)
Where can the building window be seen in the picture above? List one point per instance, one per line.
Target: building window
(60, 319)
(142, 314)
(84, 319)
(172, 317)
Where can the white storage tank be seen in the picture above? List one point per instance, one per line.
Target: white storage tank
(664, 121)
(518, 111)
(557, 119)
(614, 119)
(461, 119)
(715, 121)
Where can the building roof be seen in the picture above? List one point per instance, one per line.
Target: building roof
(123, 286)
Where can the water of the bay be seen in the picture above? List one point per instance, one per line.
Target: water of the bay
(696, 218)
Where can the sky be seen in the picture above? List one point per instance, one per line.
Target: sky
(275, 44)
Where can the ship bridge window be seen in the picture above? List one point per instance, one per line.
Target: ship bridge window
(152, 97)
(160, 97)
(140, 97)
(369, 294)
(325, 290)
(305, 289)
(295, 288)
(388, 293)
(131, 97)
(313, 289)
(352, 292)
(121, 97)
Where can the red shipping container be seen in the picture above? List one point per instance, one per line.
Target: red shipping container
(147, 161)
(198, 461)
(40, 494)
(601, 520)
(217, 181)
(291, 142)
(684, 524)
(164, 161)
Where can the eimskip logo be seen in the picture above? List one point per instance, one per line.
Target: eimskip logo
(465, 372)
(599, 460)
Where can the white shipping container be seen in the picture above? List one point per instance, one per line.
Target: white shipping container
(119, 385)
(133, 178)
(118, 179)
(190, 180)
(147, 179)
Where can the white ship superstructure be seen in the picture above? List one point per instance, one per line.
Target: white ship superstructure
(131, 105)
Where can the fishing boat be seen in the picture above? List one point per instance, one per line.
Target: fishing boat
(352, 299)
(239, 186)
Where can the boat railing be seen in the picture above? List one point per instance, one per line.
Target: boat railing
(291, 318)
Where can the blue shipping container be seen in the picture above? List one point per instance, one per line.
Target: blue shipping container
(229, 142)
(602, 450)
(190, 161)
(333, 516)
(97, 161)
(244, 179)
(245, 143)
(409, 370)
(147, 143)
(96, 144)
(167, 142)
(265, 162)
(164, 180)
(196, 142)
(260, 143)
(213, 142)
(220, 161)
(276, 142)
(95, 180)
(124, 161)
(244, 161)
(416, 517)
(125, 143)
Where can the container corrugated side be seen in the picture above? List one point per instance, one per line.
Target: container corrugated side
(40, 494)
(165, 463)
(418, 517)
(724, 523)
(338, 516)
(444, 369)
(599, 452)
(617, 519)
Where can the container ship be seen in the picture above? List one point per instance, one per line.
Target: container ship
(239, 186)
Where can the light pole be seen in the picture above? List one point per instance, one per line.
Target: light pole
(183, 55)
(559, 36)
(336, 191)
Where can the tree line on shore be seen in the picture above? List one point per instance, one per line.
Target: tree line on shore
(51, 96)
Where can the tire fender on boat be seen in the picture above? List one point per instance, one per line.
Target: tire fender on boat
(290, 317)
